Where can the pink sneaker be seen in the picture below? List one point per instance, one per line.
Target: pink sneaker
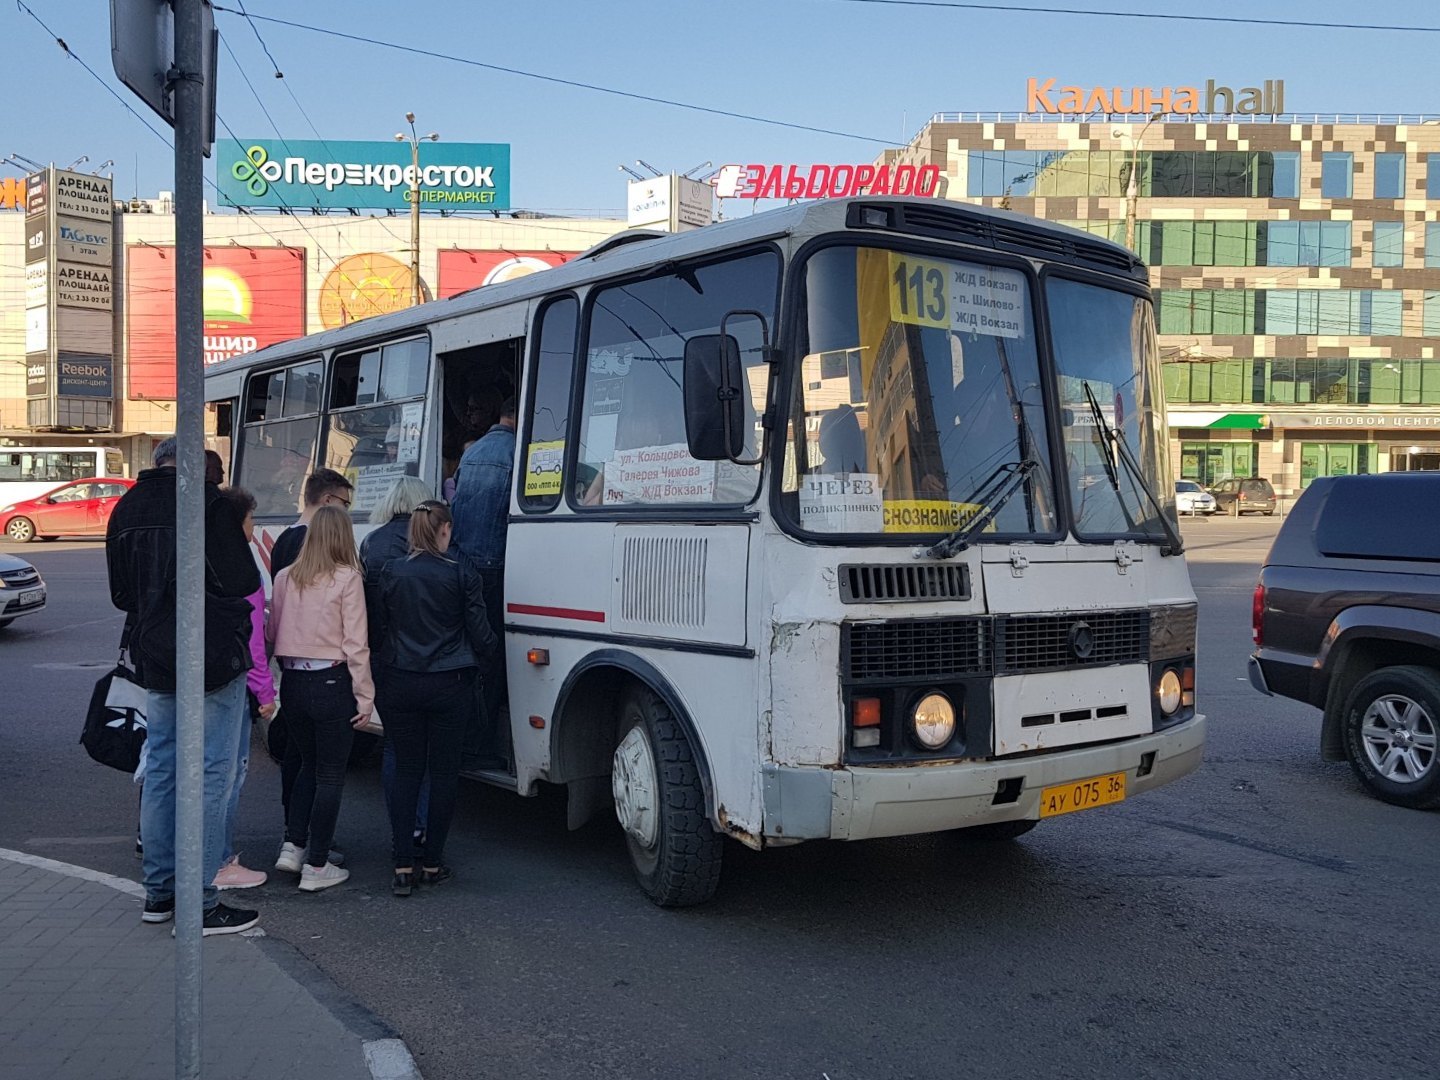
(234, 876)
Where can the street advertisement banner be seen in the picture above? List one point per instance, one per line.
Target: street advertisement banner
(78, 285)
(461, 270)
(362, 175)
(253, 297)
(83, 240)
(37, 285)
(35, 189)
(12, 194)
(36, 243)
(37, 374)
(82, 375)
(83, 196)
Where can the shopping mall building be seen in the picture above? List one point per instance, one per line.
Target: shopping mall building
(1295, 262)
(87, 293)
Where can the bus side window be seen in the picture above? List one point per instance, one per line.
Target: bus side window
(277, 445)
(541, 481)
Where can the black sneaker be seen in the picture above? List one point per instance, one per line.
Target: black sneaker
(158, 911)
(435, 877)
(223, 919)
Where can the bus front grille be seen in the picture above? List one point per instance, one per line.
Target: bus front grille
(907, 649)
(1048, 642)
(914, 648)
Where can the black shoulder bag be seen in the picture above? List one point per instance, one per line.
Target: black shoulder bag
(114, 729)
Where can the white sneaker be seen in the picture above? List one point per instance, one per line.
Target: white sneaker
(315, 878)
(291, 858)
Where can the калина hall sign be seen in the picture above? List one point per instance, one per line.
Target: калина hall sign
(1210, 100)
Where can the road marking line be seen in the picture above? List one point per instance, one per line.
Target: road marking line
(84, 873)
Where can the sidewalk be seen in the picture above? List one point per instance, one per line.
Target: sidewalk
(87, 991)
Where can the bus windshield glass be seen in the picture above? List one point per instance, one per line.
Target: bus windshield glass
(1104, 341)
(917, 386)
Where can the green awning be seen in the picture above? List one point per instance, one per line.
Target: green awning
(1241, 421)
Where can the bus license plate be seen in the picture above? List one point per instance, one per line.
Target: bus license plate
(34, 596)
(1082, 794)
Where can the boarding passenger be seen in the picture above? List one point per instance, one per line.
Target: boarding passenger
(392, 541)
(482, 513)
(434, 638)
(320, 633)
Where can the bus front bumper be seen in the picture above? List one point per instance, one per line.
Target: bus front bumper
(859, 803)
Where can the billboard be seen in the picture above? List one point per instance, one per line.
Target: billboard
(253, 297)
(83, 375)
(82, 195)
(12, 194)
(461, 271)
(362, 175)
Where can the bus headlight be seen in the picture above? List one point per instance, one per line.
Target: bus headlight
(933, 722)
(1168, 691)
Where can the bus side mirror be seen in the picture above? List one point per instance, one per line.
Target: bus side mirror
(714, 411)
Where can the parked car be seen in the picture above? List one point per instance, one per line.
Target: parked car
(1247, 495)
(1191, 498)
(79, 508)
(22, 591)
(1347, 618)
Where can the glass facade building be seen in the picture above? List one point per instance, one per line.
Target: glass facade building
(1295, 263)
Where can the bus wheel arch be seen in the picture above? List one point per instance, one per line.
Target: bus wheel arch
(622, 743)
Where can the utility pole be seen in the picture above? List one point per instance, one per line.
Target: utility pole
(1132, 186)
(415, 140)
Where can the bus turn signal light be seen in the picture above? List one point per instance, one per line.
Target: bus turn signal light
(865, 712)
(537, 722)
(538, 657)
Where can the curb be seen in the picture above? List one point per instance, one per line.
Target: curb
(386, 1055)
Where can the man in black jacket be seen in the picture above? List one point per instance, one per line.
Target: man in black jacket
(140, 547)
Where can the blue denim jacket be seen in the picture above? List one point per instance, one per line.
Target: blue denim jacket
(482, 498)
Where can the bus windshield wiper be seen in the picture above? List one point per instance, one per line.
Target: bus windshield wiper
(991, 496)
(1117, 447)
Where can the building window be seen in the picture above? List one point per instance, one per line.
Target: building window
(1308, 243)
(1208, 463)
(1432, 314)
(1432, 176)
(1389, 246)
(1389, 176)
(1333, 459)
(1286, 180)
(1432, 243)
(1336, 175)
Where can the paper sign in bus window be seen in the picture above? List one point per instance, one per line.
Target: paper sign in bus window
(930, 516)
(841, 502)
(964, 297)
(658, 474)
(543, 461)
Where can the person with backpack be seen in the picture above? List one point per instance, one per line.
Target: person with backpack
(321, 638)
(433, 640)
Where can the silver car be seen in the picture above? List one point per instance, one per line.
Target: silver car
(1191, 498)
(22, 590)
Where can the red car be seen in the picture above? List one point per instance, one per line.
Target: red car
(79, 508)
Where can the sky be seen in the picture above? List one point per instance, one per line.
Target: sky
(872, 71)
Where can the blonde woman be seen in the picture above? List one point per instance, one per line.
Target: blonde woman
(433, 639)
(320, 635)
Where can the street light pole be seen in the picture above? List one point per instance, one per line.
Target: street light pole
(1132, 186)
(415, 141)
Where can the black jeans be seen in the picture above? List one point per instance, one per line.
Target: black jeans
(318, 708)
(425, 715)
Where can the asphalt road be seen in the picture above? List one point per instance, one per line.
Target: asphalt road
(1261, 918)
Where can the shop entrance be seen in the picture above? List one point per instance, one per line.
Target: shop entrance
(1415, 459)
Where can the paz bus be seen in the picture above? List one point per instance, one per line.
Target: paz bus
(851, 519)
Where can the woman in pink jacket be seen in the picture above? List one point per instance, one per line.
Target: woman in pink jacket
(321, 638)
(232, 874)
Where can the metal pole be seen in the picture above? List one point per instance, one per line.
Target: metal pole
(189, 534)
(414, 219)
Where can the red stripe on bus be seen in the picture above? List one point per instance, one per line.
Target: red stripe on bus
(556, 612)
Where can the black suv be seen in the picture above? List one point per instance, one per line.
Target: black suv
(1248, 495)
(1347, 618)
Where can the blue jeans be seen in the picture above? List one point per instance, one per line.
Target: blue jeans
(225, 710)
(387, 784)
(242, 770)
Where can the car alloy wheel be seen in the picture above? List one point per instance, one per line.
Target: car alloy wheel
(21, 530)
(1400, 738)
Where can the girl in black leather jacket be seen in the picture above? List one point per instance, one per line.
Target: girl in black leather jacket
(432, 640)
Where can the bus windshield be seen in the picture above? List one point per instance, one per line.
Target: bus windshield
(918, 381)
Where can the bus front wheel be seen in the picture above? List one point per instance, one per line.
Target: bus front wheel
(661, 805)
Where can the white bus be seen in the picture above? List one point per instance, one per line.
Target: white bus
(848, 520)
(28, 471)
